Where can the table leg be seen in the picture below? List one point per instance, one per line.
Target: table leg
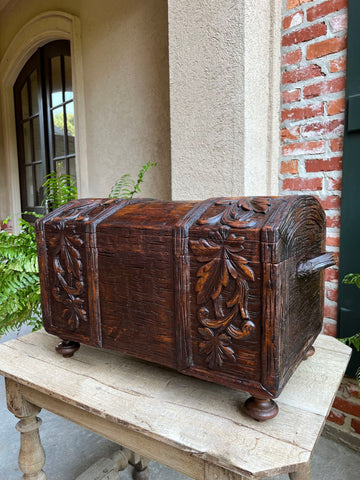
(302, 474)
(31, 455)
(140, 464)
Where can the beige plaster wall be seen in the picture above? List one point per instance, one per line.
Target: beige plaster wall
(224, 97)
(125, 64)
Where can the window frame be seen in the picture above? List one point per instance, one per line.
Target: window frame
(40, 62)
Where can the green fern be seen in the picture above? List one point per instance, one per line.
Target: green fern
(127, 187)
(59, 189)
(19, 279)
(354, 340)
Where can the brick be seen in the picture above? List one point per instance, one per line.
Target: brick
(353, 390)
(325, 8)
(321, 165)
(323, 88)
(337, 144)
(338, 65)
(290, 166)
(355, 423)
(332, 242)
(347, 406)
(326, 47)
(295, 3)
(291, 96)
(318, 129)
(336, 417)
(339, 23)
(329, 329)
(330, 312)
(300, 74)
(296, 184)
(336, 106)
(302, 113)
(332, 294)
(311, 148)
(333, 221)
(331, 274)
(293, 20)
(331, 202)
(291, 58)
(291, 133)
(304, 34)
(334, 184)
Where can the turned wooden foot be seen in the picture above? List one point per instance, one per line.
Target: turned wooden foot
(309, 352)
(67, 348)
(261, 409)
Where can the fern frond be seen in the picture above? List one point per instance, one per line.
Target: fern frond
(352, 279)
(123, 187)
(127, 187)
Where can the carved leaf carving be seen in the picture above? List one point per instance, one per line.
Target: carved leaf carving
(223, 268)
(238, 213)
(68, 269)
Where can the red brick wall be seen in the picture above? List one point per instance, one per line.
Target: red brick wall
(312, 123)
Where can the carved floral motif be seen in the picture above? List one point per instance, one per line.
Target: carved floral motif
(68, 270)
(238, 213)
(223, 269)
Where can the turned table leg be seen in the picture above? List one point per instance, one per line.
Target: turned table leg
(140, 464)
(302, 474)
(31, 455)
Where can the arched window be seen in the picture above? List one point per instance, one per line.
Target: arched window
(44, 112)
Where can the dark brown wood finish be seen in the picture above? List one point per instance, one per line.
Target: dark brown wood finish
(227, 290)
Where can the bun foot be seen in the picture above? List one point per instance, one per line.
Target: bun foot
(67, 348)
(309, 352)
(261, 409)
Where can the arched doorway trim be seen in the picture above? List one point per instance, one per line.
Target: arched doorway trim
(46, 27)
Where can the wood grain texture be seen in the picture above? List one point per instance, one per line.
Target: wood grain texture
(229, 290)
(182, 422)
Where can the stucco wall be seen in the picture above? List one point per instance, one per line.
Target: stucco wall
(225, 96)
(125, 65)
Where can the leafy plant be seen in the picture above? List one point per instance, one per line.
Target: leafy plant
(354, 340)
(19, 279)
(126, 186)
(59, 189)
(20, 301)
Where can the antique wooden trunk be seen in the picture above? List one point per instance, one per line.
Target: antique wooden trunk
(229, 290)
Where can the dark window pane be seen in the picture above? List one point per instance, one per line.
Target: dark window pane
(72, 167)
(68, 79)
(25, 101)
(34, 93)
(39, 180)
(37, 140)
(58, 132)
(56, 84)
(27, 142)
(70, 124)
(29, 186)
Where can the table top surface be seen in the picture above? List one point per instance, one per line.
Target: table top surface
(205, 420)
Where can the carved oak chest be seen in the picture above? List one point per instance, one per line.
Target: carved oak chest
(229, 290)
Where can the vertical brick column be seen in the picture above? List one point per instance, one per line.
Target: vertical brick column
(312, 114)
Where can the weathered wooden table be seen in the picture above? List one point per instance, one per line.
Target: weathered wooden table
(190, 425)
